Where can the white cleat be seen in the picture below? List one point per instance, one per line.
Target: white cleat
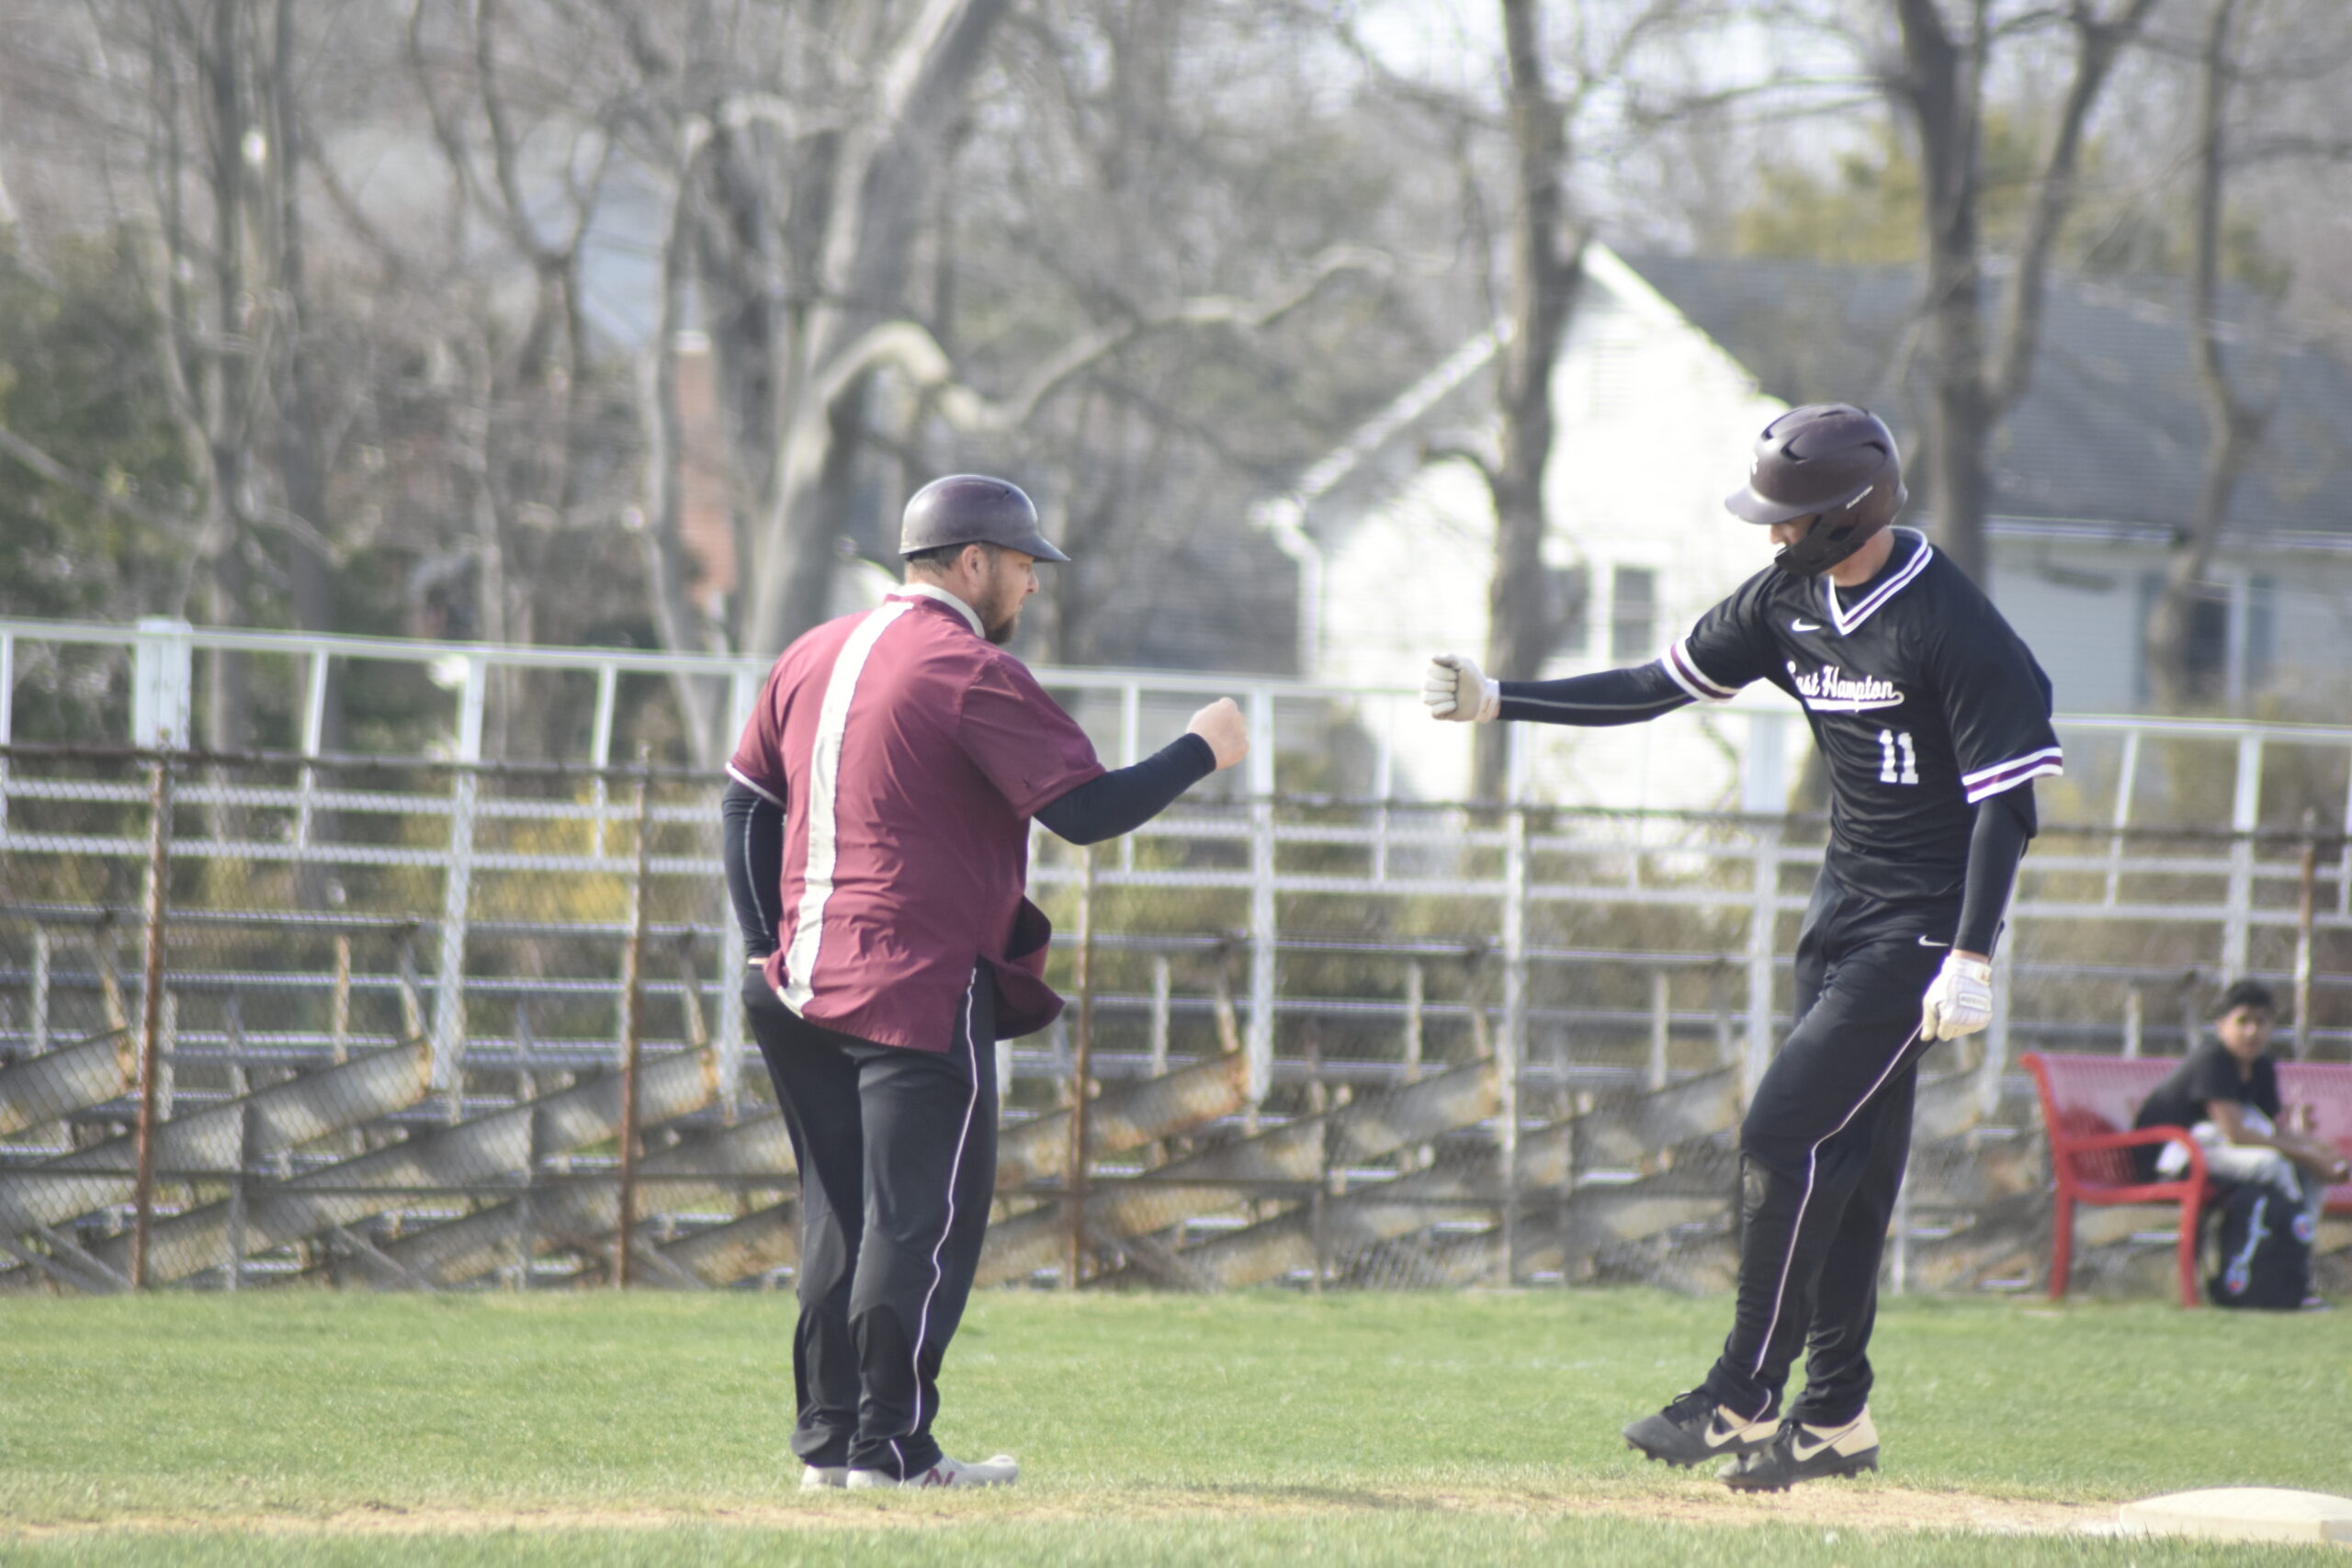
(823, 1477)
(1001, 1471)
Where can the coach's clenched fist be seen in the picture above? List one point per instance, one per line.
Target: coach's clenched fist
(1223, 726)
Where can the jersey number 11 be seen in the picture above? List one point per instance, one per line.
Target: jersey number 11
(1888, 743)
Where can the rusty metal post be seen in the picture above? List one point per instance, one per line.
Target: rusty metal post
(632, 1030)
(1082, 1070)
(339, 999)
(151, 1011)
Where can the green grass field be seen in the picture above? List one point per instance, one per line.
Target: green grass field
(588, 1429)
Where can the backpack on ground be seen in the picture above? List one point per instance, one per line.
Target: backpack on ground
(2266, 1251)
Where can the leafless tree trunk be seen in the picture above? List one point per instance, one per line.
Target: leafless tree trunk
(796, 205)
(302, 456)
(1941, 88)
(1545, 256)
(881, 192)
(217, 107)
(2234, 423)
(524, 417)
(814, 230)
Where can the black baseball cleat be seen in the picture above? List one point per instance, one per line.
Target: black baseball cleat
(1695, 1428)
(1800, 1451)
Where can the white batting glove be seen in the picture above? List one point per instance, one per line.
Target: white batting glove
(1456, 689)
(1959, 1000)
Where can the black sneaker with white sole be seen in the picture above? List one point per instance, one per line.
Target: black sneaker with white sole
(1802, 1452)
(1694, 1428)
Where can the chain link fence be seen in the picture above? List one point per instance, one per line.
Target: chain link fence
(274, 1020)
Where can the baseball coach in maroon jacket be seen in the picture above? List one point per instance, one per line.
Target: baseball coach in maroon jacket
(877, 847)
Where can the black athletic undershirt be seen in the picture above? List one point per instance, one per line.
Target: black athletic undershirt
(752, 826)
(1598, 701)
(751, 837)
(2004, 823)
(1124, 800)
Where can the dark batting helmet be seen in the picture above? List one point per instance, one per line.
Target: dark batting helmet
(972, 509)
(1834, 463)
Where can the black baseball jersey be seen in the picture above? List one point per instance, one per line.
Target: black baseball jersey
(1921, 698)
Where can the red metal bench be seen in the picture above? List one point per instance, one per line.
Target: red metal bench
(2087, 1104)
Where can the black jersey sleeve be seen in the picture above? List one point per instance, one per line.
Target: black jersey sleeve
(1730, 647)
(1997, 702)
(1608, 697)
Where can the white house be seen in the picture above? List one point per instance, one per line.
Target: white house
(1670, 368)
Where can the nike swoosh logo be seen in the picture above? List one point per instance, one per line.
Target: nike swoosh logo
(1925, 942)
(1802, 1452)
(1804, 626)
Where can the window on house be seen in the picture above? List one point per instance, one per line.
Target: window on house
(1632, 613)
(1570, 604)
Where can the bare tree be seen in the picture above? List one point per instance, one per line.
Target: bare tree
(1940, 87)
(182, 129)
(830, 207)
(1542, 260)
(2234, 421)
(832, 190)
(807, 188)
(223, 164)
(1547, 253)
(2255, 64)
(519, 105)
(1226, 306)
(797, 156)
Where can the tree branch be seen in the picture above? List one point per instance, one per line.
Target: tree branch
(909, 348)
(1457, 449)
(57, 473)
(2099, 42)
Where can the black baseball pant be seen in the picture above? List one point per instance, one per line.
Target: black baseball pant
(896, 1150)
(1822, 1154)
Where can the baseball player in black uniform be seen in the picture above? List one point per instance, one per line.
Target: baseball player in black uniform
(1933, 720)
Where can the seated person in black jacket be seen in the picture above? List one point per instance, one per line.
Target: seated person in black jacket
(2226, 1093)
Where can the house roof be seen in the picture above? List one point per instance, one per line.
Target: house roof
(2111, 430)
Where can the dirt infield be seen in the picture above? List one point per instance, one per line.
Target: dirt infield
(1864, 1506)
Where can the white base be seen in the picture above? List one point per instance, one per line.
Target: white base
(2243, 1513)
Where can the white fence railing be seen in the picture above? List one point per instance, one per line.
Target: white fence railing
(2219, 846)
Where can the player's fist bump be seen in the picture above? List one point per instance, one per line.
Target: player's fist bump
(1456, 689)
(1221, 725)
